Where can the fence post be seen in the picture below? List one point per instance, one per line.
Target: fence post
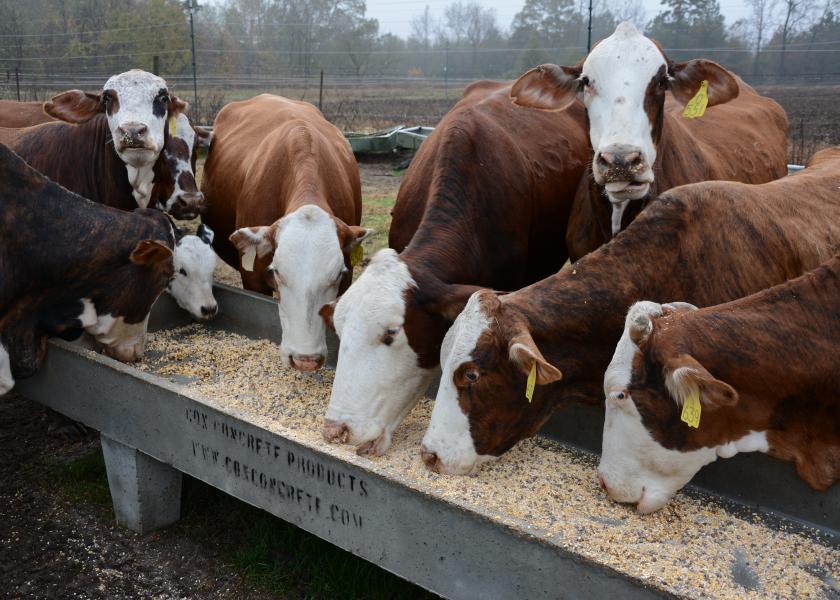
(321, 92)
(17, 82)
(156, 64)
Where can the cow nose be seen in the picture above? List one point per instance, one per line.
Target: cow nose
(307, 362)
(334, 431)
(187, 206)
(132, 132)
(209, 311)
(620, 157)
(431, 460)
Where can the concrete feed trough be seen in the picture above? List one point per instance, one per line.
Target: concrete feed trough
(216, 403)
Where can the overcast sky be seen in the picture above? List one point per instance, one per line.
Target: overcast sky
(395, 15)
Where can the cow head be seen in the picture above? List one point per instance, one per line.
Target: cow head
(194, 263)
(648, 453)
(487, 352)
(388, 354)
(304, 258)
(138, 106)
(623, 82)
(176, 191)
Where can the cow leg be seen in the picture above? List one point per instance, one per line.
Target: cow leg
(146, 492)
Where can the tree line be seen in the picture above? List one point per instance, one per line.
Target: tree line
(270, 39)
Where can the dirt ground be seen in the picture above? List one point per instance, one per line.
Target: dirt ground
(55, 546)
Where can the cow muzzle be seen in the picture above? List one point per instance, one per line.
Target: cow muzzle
(307, 362)
(624, 171)
(188, 206)
(126, 352)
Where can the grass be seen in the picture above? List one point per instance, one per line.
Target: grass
(273, 555)
(376, 214)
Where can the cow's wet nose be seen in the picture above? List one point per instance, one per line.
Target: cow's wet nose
(431, 460)
(620, 157)
(335, 431)
(307, 362)
(132, 133)
(188, 206)
(210, 311)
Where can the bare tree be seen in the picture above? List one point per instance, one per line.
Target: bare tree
(762, 20)
(421, 28)
(794, 12)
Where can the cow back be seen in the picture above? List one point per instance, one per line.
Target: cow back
(22, 114)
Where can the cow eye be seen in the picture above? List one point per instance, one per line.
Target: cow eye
(182, 271)
(583, 82)
(388, 336)
(471, 375)
(271, 270)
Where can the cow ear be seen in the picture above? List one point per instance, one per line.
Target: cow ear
(327, 311)
(150, 252)
(205, 234)
(548, 87)
(203, 136)
(523, 353)
(252, 242)
(176, 105)
(355, 237)
(74, 106)
(685, 377)
(686, 79)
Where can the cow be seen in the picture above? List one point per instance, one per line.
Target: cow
(642, 144)
(68, 265)
(484, 203)
(284, 198)
(561, 332)
(103, 178)
(759, 373)
(22, 114)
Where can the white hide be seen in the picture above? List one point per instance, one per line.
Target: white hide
(192, 286)
(619, 70)
(123, 341)
(185, 132)
(142, 183)
(308, 267)
(634, 466)
(375, 384)
(448, 434)
(7, 382)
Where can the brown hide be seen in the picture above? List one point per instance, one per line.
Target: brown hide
(778, 350)
(705, 243)
(485, 202)
(22, 114)
(744, 140)
(269, 157)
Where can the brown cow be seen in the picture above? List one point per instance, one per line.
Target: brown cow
(68, 265)
(284, 198)
(643, 145)
(22, 114)
(704, 243)
(761, 371)
(485, 203)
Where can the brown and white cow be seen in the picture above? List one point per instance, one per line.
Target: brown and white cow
(762, 369)
(484, 203)
(643, 145)
(703, 243)
(284, 198)
(68, 265)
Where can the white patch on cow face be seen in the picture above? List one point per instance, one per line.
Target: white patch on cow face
(376, 383)
(308, 266)
(7, 382)
(635, 467)
(137, 92)
(123, 341)
(619, 70)
(192, 287)
(449, 434)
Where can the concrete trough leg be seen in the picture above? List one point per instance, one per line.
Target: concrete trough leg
(146, 492)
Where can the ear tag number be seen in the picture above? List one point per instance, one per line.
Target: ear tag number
(532, 382)
(696, 107)
(356, 255)
(173, 126)
(691, 410)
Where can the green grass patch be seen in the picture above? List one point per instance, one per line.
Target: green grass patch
(82, 479)
(376, 214)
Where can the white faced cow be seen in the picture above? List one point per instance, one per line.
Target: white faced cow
(192, 285)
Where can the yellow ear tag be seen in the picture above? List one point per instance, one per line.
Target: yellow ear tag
(691, 410)
(173, 126)
(697, 105)
(356, 255)
(532, 382)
